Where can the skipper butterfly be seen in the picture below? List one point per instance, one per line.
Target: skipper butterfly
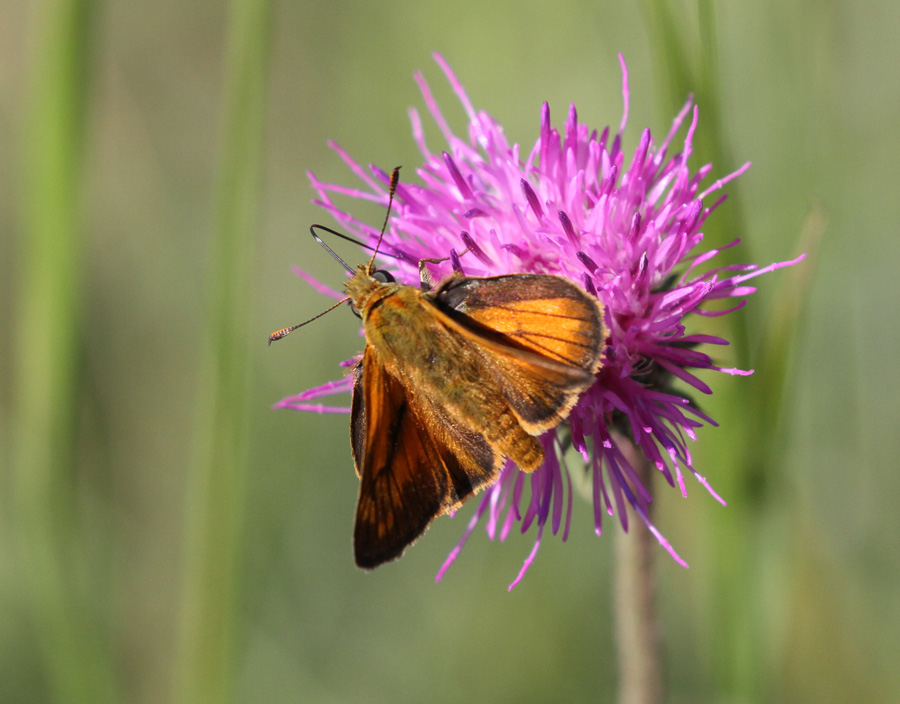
(453, 380)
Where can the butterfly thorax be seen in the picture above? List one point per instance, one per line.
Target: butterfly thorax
(396, 324)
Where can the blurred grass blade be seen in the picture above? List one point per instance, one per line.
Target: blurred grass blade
(670, 53)
(216, 482)
(77, 664)
(774, 354)
(685, 53)
(743, 664)
(686, 60)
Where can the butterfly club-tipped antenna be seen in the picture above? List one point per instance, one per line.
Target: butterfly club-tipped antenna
(284, 332)
(395, 179)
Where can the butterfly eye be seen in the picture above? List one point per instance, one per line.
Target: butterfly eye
(383, 276)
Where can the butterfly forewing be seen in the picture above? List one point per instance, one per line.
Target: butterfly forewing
(414, 462)
(546, 314)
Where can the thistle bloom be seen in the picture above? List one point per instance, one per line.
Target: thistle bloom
(628, 231)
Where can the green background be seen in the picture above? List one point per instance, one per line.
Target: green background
(166, 536)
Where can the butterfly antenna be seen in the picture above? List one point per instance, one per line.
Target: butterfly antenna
(284, 332)
(312, 231)
(395, 179)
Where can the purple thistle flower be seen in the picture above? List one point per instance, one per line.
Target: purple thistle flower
(629, 233)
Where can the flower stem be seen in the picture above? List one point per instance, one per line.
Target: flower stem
(637, 625)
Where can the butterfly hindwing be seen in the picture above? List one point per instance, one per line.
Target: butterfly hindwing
(540, 336)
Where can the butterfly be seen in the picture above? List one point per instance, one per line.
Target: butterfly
(453, 381)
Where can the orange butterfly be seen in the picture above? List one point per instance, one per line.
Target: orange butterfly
(453, 381)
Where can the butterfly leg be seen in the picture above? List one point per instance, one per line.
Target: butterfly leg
(426, 279)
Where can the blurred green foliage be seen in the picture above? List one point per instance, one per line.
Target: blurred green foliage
(166, 536)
